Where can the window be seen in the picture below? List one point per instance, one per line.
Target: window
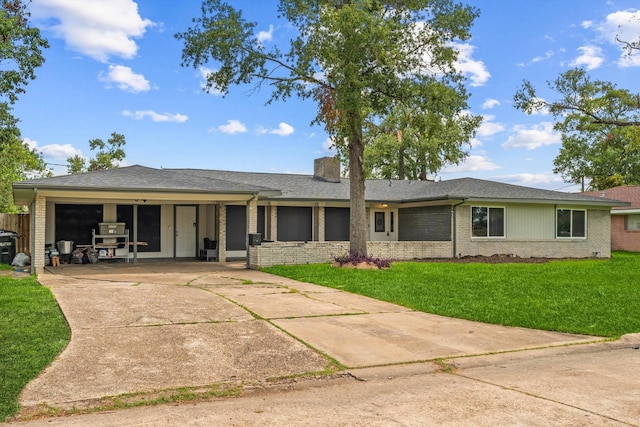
(336, 224)
(379, 222)
(148, 225)
(632, 222)
(571, 223)
(75, 222)
(487, 222)
(295, 224)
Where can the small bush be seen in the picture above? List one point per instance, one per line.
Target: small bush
(355, 258)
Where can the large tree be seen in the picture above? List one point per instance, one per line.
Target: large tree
(599, 126)
(20, 54)
(357, 59)
(416, 141)
(109, 155)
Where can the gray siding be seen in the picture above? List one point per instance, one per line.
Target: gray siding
(430, 223)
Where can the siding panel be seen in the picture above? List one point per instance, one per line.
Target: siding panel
(430, 223)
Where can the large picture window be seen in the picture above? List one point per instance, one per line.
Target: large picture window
(571, 223)
(487, 222)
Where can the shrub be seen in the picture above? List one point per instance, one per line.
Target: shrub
(355, 258)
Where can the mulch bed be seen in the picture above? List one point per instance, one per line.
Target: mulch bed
(493, 259)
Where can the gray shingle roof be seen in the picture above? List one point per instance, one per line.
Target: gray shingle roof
(305, 187)
(292, 187)
(140, 178)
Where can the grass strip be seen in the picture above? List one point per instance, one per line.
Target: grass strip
(33, 332)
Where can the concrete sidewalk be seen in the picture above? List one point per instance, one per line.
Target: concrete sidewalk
(140, 329)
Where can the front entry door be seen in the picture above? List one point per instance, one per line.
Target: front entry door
(186, 232)
(383, 224)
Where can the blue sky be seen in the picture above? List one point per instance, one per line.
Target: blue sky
(114, 66)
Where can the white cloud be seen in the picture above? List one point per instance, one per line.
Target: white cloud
(488, 127)
(586, 24)
(53, 151)
(328, 146)
(547, 55)
(629, 60)
(472, 68)
(489, 103)
(124, 78)
(264, 36)
(59, 152)
(473, 163)
(232, 127)
(156, 117)
(204, 73)
(537, 136)
(97, 28)
(283, 129)
(622, 25)
(531, 179)
(591, 57)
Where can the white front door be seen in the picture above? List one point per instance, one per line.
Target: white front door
(384, 225)
(186, 232)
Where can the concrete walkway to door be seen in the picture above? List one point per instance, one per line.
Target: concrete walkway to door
(140, 328)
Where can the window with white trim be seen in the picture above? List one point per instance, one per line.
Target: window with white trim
(632, 222)
(571, 223)
(487, 221)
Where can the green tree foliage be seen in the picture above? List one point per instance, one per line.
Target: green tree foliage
(415, 141)
(20, 54)
(20, 49)
(17, 161)
(359, 60)
(599, 126)
(109, 156)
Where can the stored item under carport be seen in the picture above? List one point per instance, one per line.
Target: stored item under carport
(8, 241)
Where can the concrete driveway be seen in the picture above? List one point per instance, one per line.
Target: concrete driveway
(143, 328)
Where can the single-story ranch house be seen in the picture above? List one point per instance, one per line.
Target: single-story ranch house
(178, 213)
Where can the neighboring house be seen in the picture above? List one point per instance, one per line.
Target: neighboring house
(625, 220)
(305, 218)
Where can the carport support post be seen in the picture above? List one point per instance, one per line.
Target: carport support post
(135, 234)
(38, 222)
(252, 221)
(222, 232)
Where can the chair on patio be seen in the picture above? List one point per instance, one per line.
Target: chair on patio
(210, 250)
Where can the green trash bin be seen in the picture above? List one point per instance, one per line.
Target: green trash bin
(8, 241)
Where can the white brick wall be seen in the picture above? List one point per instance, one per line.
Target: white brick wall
(39, 236)
(287, 253)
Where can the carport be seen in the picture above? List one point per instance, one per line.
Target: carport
(174, 211)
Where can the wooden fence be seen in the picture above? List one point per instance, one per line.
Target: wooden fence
(20, 223)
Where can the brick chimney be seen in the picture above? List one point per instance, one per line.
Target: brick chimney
(327, 169)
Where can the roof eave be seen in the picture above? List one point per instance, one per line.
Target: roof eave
(603, 203)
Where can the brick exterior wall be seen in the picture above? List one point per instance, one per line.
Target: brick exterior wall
(222, 233)
(621, 239)
(597, 241)
(288, 253)
(39, 218)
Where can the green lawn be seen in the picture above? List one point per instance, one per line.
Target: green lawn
(593, 297)
(33, 332)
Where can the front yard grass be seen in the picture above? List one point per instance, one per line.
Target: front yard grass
(33, 332)
(593, 297)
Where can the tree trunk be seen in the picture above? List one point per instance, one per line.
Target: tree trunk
(400, 156)
(358, 212)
